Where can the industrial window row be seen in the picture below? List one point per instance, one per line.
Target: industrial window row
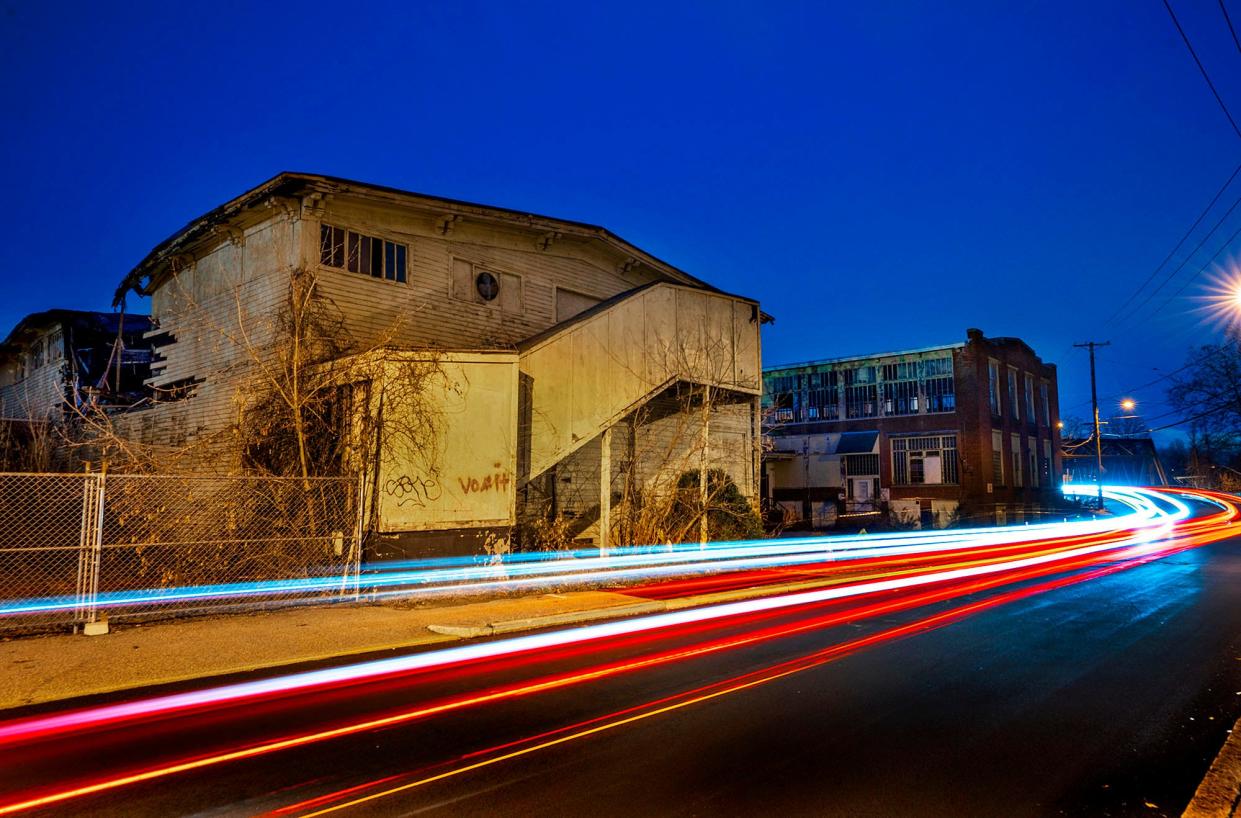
(895, 389)
(358, 253)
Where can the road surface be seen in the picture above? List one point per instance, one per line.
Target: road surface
(1102, 696)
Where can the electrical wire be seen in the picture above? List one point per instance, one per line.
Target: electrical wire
(1178, 244)
(1231, 30)
(1168, 278)
(1185, 38)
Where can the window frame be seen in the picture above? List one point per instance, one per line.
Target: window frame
(1014, 399)
(993, 388)
(389, 253)
(906, 449)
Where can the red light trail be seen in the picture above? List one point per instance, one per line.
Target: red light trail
(859, 590)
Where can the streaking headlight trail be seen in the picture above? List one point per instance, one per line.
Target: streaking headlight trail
(515, 572)
(875, 577)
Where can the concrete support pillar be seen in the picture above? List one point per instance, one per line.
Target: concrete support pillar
(605, 489)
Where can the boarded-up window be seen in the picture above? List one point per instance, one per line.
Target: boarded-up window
(569, 304)
(510, 293)
(463, 280)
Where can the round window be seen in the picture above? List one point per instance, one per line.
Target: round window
(487, 285)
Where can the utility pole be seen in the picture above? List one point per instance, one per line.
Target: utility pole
(1094, 403)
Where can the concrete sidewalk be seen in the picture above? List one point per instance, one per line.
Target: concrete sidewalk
(50, 668)
(47, 668)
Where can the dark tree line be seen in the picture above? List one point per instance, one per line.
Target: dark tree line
(1205, 397)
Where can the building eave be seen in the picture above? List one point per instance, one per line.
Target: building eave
(290, 184)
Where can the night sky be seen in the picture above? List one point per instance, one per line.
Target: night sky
(880, 176)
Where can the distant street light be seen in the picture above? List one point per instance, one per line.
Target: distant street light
(1128, 404)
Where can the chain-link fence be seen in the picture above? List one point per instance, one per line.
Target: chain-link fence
(78, 547)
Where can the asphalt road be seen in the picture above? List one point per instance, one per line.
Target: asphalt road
(1108, 697)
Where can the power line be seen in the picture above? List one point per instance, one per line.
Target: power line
(1168, 278)
(1201, 269)
(1231, 30)
(1202, 68)
(1198, 416)
(1135, 389)
(1177, 246)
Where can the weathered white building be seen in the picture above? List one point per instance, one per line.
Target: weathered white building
(558, 369)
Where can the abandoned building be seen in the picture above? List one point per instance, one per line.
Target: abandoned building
(57, 361)
(961, 432)
(491, 366)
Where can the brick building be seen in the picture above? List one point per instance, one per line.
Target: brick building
(965, 431)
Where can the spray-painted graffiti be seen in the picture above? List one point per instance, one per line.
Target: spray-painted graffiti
(497, 481)
(413, 491)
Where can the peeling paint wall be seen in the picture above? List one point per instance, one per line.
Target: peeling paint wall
(465, 475)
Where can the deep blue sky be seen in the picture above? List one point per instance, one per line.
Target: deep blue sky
(880, 176)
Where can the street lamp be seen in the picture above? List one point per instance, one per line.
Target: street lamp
(1128, 404)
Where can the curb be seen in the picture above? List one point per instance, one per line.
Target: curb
(250, 667)
(618, 611)
(442, 633)
(1219, 794)
(551, 620)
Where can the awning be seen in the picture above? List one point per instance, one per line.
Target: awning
(857, 442)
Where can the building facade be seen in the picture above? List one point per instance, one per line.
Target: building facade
(536, 357)
(961, 432)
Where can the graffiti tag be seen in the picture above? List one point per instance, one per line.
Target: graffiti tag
(415, 491)
(497, 481)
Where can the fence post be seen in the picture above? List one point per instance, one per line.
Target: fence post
(79, 609)
(90, 553)
(353, 563)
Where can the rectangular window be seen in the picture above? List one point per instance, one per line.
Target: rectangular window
(924, 460)
(1045, 400)
(56, 346)
(1013, 405)
(997, 457)
(861, 401)
(821, 403)
(1029, 385)
(782, 403)
(861, 464)
(900, 397)
(1047, 462)
(993, 381)
(1032, 459)
(36, 354)
(357, 253)
(941, 395)
(859, 375)
(1016, 461)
